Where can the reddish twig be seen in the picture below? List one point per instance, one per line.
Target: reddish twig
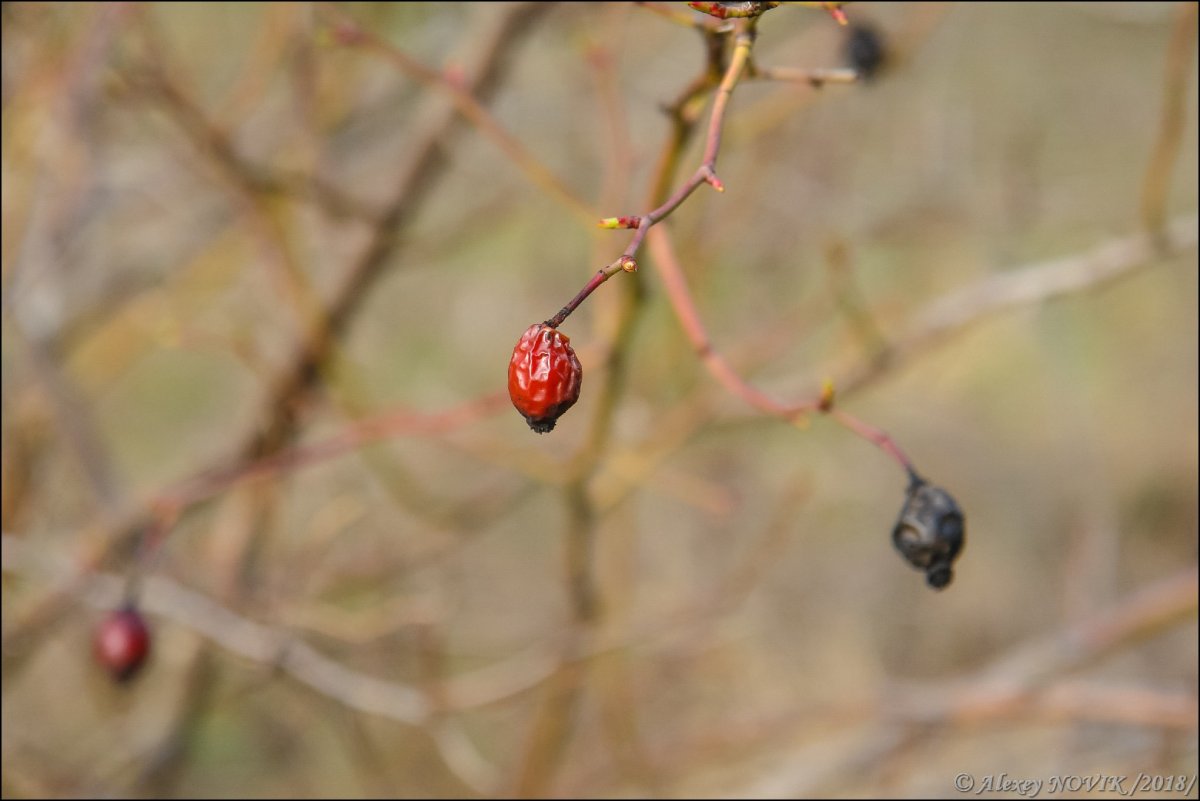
(673, 279)
(704, 174)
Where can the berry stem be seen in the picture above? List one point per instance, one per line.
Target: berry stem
(704, 174)
(665, 260)
(737, 63)
(602, 275)
(673, 279)
(878, 436)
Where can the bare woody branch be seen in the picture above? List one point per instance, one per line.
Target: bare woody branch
(814, 76)
(1009, 289)
(1004, 688)
(935, 324)
(350, 33)
(1157, 180)
(424, 164)
(667, 264)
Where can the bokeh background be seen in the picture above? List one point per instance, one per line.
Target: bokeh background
(671, 594)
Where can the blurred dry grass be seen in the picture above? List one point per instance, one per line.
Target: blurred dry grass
(756, 633)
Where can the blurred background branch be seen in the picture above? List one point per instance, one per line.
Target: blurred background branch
(262, 270)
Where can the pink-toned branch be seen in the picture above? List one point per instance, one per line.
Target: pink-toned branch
(671, 272)
(704, 174)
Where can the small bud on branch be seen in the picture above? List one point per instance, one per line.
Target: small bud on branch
(825, 402)
(613, 223)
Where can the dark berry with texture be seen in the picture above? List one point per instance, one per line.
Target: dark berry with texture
(930, 532)
(123, 643)
(864, 50)
(544, 376)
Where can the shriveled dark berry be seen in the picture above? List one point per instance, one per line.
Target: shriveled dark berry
(122, 643)
(930, 532)
(864, 50)
(544, 376)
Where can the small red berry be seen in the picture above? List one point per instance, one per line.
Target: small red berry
(544, 376)
(122, 643)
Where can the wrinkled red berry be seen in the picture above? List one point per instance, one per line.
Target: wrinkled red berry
(122, 643)
(544, 376)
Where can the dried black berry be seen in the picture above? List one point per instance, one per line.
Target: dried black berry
(930, 532)
(864, 50)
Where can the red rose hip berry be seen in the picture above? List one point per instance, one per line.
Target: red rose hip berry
(122, 643)
(544, 376)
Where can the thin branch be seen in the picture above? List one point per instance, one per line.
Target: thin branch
(665, 261)
(348, 32)
(670, 13)
(424, 164)
(279, 648)
(74, 420)
(995, 692)
(157, 78)
(1157, 181)
(944, 316)
(813, 76)
(704, 174)
(1022, 286)
(667, 264)
(849, 299)
(870, 433)
(1028, 682)
(554, 723)
(372, 429)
